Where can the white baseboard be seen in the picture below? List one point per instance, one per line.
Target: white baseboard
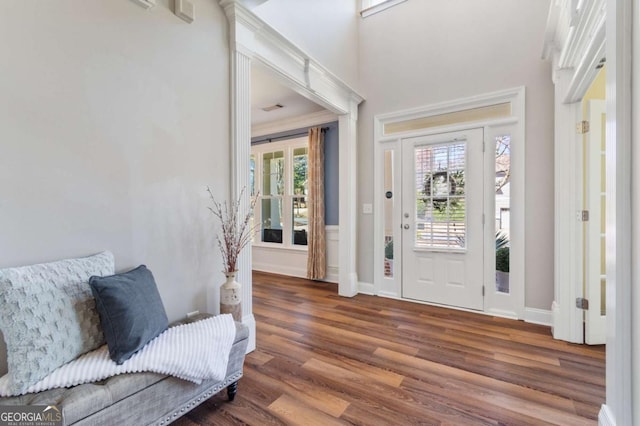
(605, 416)
(333, 274)
(290, 271)
(538, 316)
(366, 288)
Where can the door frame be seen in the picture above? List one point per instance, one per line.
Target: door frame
(515, 97)
(575, 60)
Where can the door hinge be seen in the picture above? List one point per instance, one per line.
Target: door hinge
(483, 219)
(582, 127)
(483, 291)
(583, 215)
(582, 303)
(483, 145)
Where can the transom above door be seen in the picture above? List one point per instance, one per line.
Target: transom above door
(442, 219)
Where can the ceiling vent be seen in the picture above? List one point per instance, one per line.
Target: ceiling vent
(272, 108)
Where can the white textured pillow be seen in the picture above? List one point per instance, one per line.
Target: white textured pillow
(48, 315)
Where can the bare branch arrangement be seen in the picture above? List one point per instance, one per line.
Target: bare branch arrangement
(236, 233)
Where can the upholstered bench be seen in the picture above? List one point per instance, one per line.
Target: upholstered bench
(50, 324)
(138, 398)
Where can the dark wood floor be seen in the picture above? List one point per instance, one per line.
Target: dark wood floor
(322, 359)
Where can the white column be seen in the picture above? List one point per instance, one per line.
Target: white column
(348, 276)
(635, 208)
(621, 373)
(240, 74)
(241, 152)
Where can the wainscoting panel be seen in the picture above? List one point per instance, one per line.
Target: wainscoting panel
(293, 262)
(333, 240)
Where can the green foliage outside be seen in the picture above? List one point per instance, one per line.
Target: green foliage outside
(388, 250)
(300, 167)
(502, 259)
(448, 207)
(502, 240)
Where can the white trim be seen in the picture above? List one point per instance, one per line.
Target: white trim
(502, 313)
(287, 147)
(587, 70)
(516, 96)
(605, 416)
(575, 42)
(371, 10)
(455, 105)
(294, 262)
(332, 233)
(366, 288)
(308, 120)
(538, 316)
(620, 116)
(494, 313)
(348, 162)
(634, 321)
(252, 39)
(567, 319)
(147, 4)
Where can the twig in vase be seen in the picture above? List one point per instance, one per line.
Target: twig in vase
(235, 234)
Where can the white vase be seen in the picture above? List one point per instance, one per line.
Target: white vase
(231, 297)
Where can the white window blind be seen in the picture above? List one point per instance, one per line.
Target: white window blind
(440, 196)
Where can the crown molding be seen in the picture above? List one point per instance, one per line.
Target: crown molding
(291, 64)
(307, 120)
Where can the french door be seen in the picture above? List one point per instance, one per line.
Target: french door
(594, 240)
(442, 219)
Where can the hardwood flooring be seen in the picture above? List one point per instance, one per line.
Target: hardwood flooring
(322, 359)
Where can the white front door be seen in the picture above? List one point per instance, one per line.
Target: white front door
(442, 223)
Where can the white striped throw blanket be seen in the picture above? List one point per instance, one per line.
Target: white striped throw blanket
(195, 352)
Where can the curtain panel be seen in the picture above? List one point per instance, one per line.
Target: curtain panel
(317, 246)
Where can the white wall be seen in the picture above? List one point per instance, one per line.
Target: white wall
(326, 29)
(424, 52)
(113, 119)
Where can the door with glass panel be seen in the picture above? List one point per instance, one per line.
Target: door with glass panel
(442, 219)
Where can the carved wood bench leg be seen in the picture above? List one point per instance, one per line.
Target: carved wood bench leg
(232, 389)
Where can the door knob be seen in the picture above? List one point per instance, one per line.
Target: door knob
(406, 226)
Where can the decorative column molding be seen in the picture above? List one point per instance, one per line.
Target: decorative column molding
(253, 40)
(348, 276)
(240, 60)
(623, 380)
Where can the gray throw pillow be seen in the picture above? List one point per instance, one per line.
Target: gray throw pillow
(48, 316)
(131, 311)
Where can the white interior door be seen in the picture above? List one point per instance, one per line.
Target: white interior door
(595, 277)
(442, 219)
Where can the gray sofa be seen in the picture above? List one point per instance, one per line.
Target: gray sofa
(138, 398)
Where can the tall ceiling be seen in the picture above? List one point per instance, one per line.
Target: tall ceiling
(267, 91)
